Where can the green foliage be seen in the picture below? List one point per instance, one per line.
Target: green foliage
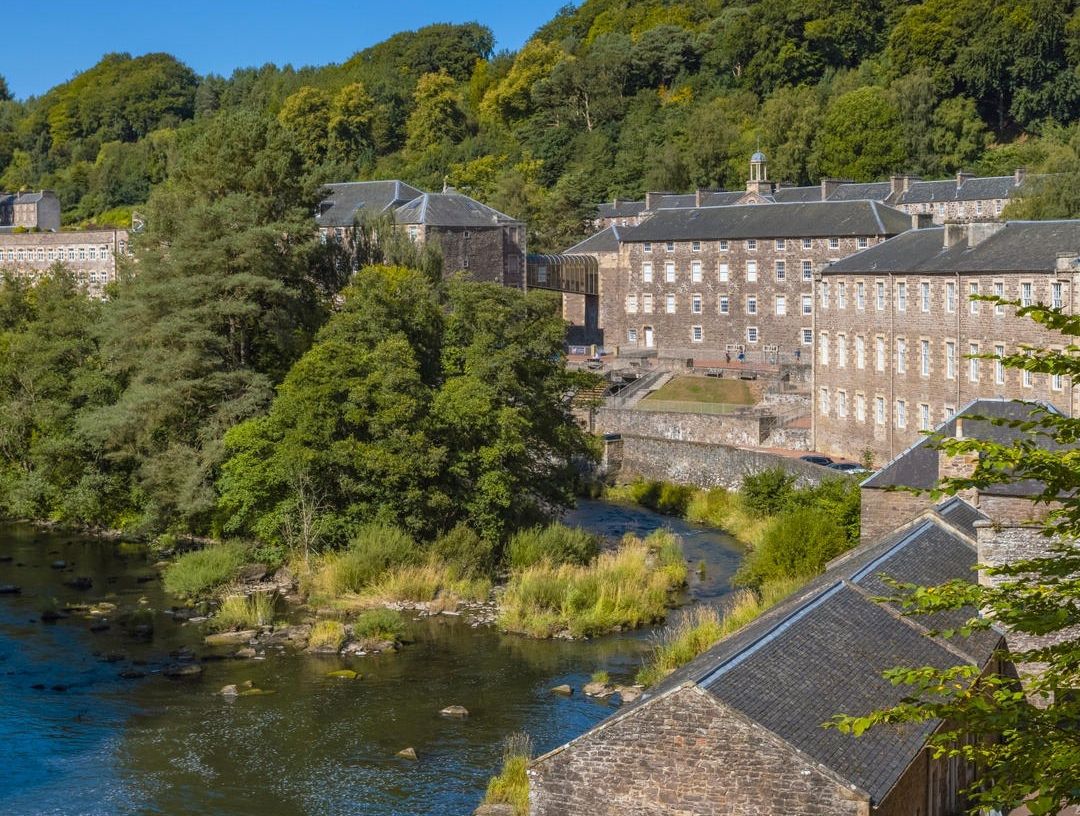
(630, 587)
(327, 635)
(244, 611)
(372, 551)
(511, 786)
(464, 548)
(861, 136)
(1022, 739)
(767, 492)
(600, 677)
(378, 624)
(663, 497)
(797, 544)
(556, 544)
(199, 571)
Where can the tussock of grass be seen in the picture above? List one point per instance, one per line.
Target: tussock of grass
(379, 624)
(511, 786)
(245, 611)
(375, 549)
(626, 588)
(327, 634)
(425, 583)
(556, 544)
(703, 626)
(600, 677)
(197, 572)
(721, 508)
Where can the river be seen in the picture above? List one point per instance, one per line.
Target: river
(79, 739)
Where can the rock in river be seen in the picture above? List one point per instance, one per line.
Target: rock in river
(252, 573)
(407, 753)
(564, 690)
(82, 582)
(229, 638)
(9, 589)
(182, 670)
(343, 674)
(457, 711)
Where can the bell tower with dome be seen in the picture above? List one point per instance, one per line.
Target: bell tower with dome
(759, 183)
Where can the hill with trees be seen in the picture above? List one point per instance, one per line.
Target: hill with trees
(608, 99)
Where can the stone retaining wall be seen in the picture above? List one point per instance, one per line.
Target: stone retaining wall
(729, 429)
(699, 464)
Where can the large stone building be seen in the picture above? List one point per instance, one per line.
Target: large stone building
(474, 238)
(965, 197)
(738, 731)
(90, 254)
(30, 211)
(713, 280)
(897, 331)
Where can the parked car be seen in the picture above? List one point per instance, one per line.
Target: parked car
(594, 363)
(814, 459)
(848, 467)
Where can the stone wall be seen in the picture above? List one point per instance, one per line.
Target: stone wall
(724, 429)
(684, 753)
(703, 465)
(494, 255)
(90, 254)
(882, 511)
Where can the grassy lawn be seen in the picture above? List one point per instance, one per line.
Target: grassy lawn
(705, 389)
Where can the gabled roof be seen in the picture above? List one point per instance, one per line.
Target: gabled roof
(917, 467)
(970, 188)
(607, 240)
(823, 651)
(344, 200)
(450, 209)
(620, 209)
(808, 219)
(1018, 246)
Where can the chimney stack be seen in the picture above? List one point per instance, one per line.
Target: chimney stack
(828, 187)
(961, 177)
(922, 220)
(699, 198)
(1019, 175)
(900, 184)
(960, 466)
(652, 200)
(955, 234)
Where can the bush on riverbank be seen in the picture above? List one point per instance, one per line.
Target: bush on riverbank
(199, 571)
(628, 588)
(424, 583)
(511, 786)
(797, 544)
(245, 611)
(703, 626)
(327, 635)
(373, 550)
(556, 544)
(663, 497)
(378, 624)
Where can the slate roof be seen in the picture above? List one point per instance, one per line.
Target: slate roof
(1019, 246)
(450, 209)
(961, 514)
(785, 195)
(823, 650)
(820, 218)
(917, 467)
(345, 199)
(607, 240)
(620, 209)
(970, 189)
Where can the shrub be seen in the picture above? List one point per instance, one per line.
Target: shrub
(703, 626)
(797, 544)
(374, 549)
(245, 611)
(627, 588)
(196, 572)
(511, 786)
(379, 624)
(556, 544)
(663, 497)
(600, 677)
(327, 634)
(466, 550)
(767, 492)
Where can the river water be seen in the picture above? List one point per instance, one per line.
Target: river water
(80, 739)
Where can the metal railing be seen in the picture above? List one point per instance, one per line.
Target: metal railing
(635, 390)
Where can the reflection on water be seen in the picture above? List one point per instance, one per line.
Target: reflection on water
(106, 745)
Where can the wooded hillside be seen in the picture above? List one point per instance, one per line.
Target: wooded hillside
(608, 99)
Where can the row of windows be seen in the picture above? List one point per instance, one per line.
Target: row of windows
(723, 271)
(858, 409)
(697, 334)
(71, 253)
(723, 304)
(1027, 293)
(751, 244)
(924, 359)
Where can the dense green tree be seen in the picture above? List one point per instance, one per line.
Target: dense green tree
(5, 92)
(306, 116)
(351, 114)
(417, 405)
(231, 284)
(437, 114)
(861, 136)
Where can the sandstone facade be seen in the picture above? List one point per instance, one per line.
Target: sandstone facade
(90, 254)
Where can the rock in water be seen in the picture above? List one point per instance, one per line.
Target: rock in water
(564, 690)
(256, 692)
(457, 711)
(182, 670)
(252, 573)
(500, 809)
(58, 564)
(132, 674)
(343, 674)
(82, 582)
(229, 691)
(229, 638)
(408, 753)
(9, 589)
(629, 693)
(600, 690)
(244, 654)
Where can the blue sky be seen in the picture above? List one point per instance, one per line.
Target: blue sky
(71, 35)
